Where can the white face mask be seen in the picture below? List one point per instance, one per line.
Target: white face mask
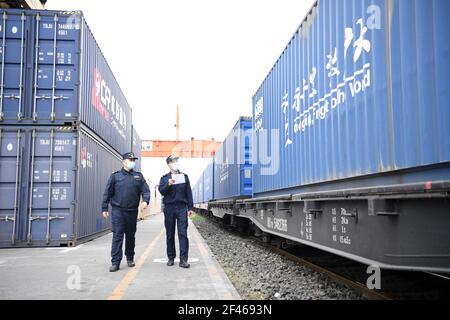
(174, 166)
(131, 165)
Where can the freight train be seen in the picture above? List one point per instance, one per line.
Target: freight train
(348, 148)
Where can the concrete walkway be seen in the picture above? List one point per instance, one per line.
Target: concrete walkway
(81, 273)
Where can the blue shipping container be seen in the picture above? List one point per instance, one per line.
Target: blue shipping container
(361, 89)
(200, 191)
(51, 185)
(136, 148)
(232, 163)
(195, 193)
(53, 73)
(208, 183)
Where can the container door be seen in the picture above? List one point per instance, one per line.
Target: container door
(11, 152)
(13, 41)
(55, 70)
(51, 187)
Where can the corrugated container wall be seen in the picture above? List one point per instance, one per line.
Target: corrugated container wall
(53, 73)
(362, 88)
(51, 185)
(136, 148)
(200, 192)
(208, 183)
(195, 193)
(232, 163)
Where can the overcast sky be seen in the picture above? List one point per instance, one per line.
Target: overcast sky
(207, 56)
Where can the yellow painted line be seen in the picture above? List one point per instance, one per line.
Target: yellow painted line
(119, 291)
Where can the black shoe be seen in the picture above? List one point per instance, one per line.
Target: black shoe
(131, 263)
(170, 262)
(184, 264)
(114, 268)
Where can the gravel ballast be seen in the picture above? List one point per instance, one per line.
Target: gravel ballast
(259, 274)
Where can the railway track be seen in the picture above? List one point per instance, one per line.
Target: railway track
(359, 287)
(396, 285)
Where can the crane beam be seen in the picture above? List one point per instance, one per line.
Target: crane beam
(182, 149)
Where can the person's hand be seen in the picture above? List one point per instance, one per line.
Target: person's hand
(106, 214)
(171, 182)
(190, 213)
(144, 205)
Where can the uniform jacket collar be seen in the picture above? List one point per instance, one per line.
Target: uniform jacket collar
(127, 172)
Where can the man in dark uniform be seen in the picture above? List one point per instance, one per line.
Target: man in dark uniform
(124, 191)
(178, 204)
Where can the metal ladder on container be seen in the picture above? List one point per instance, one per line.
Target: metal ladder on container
(2, 84)
(7, 218)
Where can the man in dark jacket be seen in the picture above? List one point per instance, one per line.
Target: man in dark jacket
(178, 204)
(124, 191)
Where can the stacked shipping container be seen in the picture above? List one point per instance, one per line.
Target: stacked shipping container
(64, 122)
(53, 73)
(136, 148)
(50, 178)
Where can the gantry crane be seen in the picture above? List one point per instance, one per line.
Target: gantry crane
(183, 149)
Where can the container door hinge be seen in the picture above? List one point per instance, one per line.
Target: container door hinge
(34, 218)
(7, 219)
(56, 218)
(382, 207)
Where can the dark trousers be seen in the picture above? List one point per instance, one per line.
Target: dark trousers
(176, 216)
(123, 223)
